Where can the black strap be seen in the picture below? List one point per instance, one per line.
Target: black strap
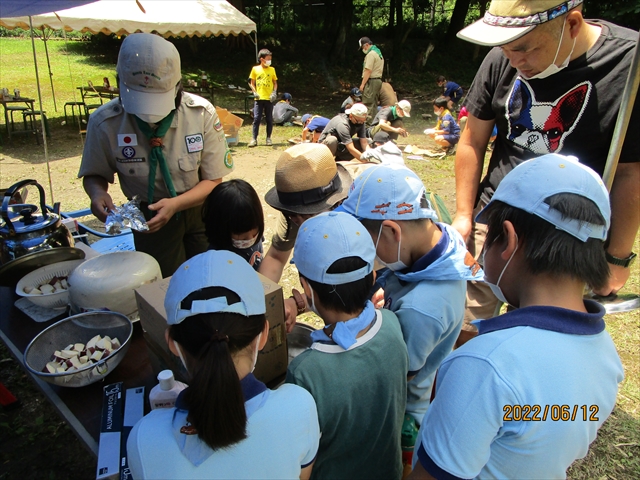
(310, 196)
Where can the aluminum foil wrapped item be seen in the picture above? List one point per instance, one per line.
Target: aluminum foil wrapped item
(127, 215)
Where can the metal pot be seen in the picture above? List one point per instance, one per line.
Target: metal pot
(23, 232)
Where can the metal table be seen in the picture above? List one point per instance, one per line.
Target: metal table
(7, 100)
(81, 407)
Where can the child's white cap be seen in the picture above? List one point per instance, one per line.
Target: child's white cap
(214, 268)
(528, 185)
(326, 238)
(388, 192)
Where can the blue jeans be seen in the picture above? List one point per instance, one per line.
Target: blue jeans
(262, 106)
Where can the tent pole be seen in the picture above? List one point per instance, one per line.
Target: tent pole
(44, 133)
(622, 123)
(53, 92)
(255, 42)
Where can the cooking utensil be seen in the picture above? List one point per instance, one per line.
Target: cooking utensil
(41, 275)
(299, 339)
(617, 303)
(12, 272)
(23, 230)
(79, 329)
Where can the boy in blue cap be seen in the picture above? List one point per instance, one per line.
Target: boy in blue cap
(428, 267)
(356, 368)
(528, 394)
(283, 112)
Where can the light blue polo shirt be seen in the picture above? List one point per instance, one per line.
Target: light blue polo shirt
(282, 437)
(535, 356)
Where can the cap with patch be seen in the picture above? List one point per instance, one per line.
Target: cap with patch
(508, 20)
(528, 185)
(355, 92)
(405, 106)
(214, 268)
(364, 41)
(357, 110)
(148, 70)
(388, 192)
(326, 238)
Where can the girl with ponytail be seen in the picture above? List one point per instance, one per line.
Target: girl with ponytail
(226, 424)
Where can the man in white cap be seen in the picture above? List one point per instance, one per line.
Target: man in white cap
(167, 147)
(553, 85)
(339, 132)
(389, 119)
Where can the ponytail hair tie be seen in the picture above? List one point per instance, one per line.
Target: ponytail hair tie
(219, 337)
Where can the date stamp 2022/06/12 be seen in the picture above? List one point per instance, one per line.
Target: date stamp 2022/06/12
(555, 413)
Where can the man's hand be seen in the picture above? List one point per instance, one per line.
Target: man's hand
(101, 205)
(290, 313)
(402, 131)
(618, 278)
(101, 202)
(165, 209)
(463, 225)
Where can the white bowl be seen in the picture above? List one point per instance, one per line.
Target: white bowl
(42, 275)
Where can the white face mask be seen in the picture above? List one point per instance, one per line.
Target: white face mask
(495, 288)
(398, 264)
(267, 63)
(255, 354)
(312, 304)
(180, 355)
(242, 244)
(553, 68)
(150, 118)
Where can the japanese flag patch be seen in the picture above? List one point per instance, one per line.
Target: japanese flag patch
(127, 140)
(195, 142)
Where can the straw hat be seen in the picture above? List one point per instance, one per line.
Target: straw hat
(308, 180)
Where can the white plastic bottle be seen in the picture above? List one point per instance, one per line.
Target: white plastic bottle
(165, 393)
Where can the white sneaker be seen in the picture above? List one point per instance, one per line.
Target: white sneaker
(253, 143)
(269, 142)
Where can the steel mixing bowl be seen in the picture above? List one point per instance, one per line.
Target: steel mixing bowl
(79, 329)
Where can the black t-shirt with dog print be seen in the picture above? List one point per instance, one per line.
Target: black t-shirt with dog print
(572, 112)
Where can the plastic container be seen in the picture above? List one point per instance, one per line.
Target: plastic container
(164, 394)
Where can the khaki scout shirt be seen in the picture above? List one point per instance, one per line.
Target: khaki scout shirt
(194, 147)
(373, 62)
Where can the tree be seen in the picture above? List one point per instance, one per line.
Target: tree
(341, 27)
(457, 19)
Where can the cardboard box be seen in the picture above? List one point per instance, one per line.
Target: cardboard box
(110, 433)
(272, 360)
(230, 122)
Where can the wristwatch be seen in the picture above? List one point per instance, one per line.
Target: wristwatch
(300, 303)
(620, 262)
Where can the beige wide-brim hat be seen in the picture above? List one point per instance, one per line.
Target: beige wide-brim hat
(308, 180)
(508, 20)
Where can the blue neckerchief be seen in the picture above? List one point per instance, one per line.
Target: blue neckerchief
(555, 319)
(191, 446)
(344, 333)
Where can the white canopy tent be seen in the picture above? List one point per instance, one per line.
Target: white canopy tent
(170, 18)
(178, 18)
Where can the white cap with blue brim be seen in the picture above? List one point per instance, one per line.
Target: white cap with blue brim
(529, 184)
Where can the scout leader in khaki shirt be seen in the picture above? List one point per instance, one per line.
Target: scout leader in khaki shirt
(194, 146)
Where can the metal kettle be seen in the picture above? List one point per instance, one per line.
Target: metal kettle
(23, 230)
